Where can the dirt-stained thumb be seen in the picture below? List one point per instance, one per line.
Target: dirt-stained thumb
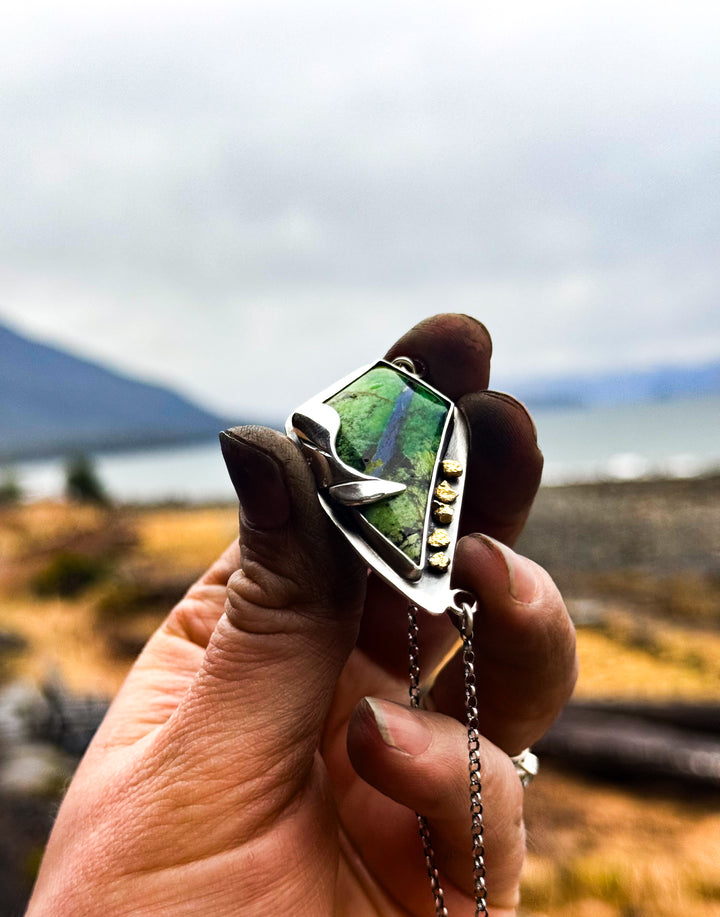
(291, 617)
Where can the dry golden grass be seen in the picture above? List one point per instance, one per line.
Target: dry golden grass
(62, 639)
(183, 537)
(594, 851)
(37, 525)
(675, 662)
(64, 635)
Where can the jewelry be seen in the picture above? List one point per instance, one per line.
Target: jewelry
(526, 765)
(389, 453)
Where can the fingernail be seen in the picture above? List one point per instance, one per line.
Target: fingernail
(398, 726)
(258, 481)
(521, 575)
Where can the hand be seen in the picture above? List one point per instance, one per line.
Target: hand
(242, 770)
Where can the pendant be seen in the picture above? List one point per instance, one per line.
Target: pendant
(389, 454)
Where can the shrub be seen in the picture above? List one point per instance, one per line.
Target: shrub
(82, 482)
(132, 597)
(68, 575)
(10, 490)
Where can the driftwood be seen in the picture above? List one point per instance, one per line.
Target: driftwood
(616, 740)
(626, 741)
(613, 739)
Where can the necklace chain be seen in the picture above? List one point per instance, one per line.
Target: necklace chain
(473, 732)
(476, 806)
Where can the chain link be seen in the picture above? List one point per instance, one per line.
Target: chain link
(476, 808)
(473, 732)
(434, 876)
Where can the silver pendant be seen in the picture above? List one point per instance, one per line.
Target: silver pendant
(389, 454)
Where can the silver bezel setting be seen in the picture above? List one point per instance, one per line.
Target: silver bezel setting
(341, 489)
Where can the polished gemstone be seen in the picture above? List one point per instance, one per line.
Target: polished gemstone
(391, 427)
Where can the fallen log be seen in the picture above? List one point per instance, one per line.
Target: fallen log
(618, 740)
(698, 717)
(635, 741)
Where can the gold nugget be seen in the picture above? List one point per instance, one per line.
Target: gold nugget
(439, 562)
(439, 539)
(451, 468)
(443, 514)
(445, 493)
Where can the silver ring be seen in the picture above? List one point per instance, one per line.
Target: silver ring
(526, 766)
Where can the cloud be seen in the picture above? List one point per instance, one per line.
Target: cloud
(289, 185)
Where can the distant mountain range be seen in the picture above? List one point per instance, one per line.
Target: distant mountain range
(630, 387)
(53, 403)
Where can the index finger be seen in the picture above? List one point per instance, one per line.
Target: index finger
(504, 466)
(452, 353)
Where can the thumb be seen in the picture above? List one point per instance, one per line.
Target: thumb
(293, 608)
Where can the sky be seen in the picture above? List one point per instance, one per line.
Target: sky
(247, 200)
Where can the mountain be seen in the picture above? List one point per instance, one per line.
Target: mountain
(53, 403)
(630, 387)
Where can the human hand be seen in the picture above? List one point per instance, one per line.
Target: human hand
(239, 770)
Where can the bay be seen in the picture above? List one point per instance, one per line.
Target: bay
(194, 474)
(679, 437)
(675, 438)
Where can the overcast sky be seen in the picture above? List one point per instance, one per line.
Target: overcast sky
(249, 199)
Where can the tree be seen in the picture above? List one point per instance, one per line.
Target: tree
(10, 490)
(82, 483)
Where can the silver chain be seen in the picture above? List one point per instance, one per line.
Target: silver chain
(438, 894)
(473, 732)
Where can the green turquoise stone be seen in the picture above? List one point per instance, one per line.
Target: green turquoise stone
(391, 427)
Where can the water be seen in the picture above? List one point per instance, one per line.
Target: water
(678, 438)
(188, 473)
